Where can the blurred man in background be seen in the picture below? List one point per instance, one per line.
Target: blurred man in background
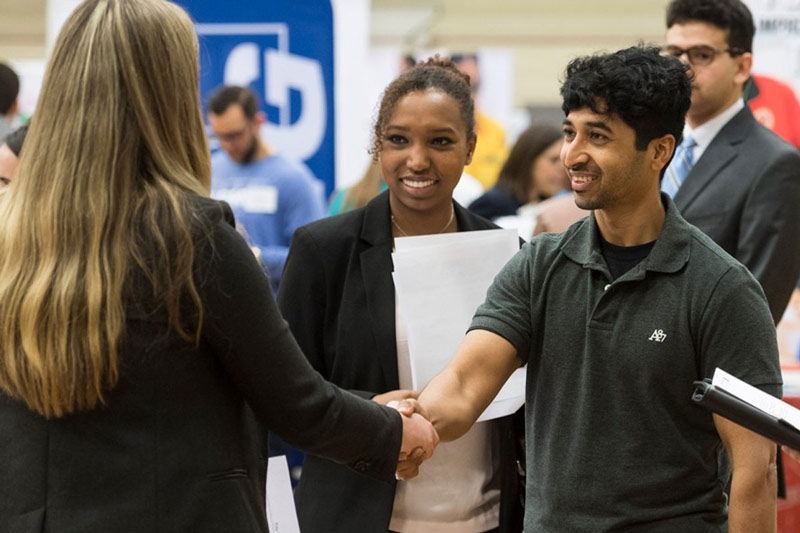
(271, 196)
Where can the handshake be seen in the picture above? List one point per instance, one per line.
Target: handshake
(419, 436)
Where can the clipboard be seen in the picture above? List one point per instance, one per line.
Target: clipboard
(746, 415)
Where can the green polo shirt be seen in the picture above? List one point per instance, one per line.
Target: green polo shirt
(614, 442)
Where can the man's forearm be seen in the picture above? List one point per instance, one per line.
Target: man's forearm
(455, 398)
(753, 504)
(448, 410)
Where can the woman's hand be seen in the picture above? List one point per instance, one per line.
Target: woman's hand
(419, 440)
(395, 396)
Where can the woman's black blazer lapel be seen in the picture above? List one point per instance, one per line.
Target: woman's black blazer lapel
(376, 268)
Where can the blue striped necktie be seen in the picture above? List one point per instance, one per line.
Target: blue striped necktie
(679, 167)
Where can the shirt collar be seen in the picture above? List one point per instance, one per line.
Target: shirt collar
(669, 254)
(706, 132)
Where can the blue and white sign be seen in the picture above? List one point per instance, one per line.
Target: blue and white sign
(283, 51)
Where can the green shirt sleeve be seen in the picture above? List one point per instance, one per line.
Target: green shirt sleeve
(737, 334)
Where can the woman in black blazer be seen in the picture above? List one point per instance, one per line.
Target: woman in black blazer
(137, 331)
(338, 296)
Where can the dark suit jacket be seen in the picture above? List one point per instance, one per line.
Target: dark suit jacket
(338, 296)
(173, 447)
(744, 193)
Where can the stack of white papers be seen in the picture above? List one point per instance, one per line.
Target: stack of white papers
(440, 281)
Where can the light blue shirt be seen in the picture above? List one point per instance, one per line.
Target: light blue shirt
(270, 198)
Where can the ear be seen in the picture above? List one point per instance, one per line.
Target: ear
(471, 143)
(259, 118)
(660, 152)
(744, 64)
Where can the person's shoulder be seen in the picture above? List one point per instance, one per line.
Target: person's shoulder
(214, 230)
(765, 144)
(474, 221)
(497, 193)
(291, 175)
(708, 256)
(210, 211)
(287, 167)
(710, 266)
(334, 230)
(495, 202)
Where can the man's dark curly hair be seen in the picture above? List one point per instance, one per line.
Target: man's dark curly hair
(650, 92)
(730, 15)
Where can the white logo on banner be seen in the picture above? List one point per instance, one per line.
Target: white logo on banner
(284, 72)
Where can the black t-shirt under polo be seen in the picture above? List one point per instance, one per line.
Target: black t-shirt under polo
(620, 259)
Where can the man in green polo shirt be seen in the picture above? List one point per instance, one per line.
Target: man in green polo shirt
(616, 317)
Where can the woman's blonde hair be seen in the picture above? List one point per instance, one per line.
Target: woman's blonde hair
(367, 188)
(115, 148)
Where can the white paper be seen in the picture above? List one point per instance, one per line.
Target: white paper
(440, 281)
(757, 398)
(281, 514)
(509, 399)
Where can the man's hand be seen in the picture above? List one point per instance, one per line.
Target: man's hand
(419, 441)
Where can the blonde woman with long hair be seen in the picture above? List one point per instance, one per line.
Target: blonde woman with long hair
(135, 324)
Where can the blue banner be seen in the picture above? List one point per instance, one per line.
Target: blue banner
(283, 51)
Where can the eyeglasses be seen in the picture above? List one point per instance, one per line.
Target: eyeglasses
(700, 55)
(232, 136)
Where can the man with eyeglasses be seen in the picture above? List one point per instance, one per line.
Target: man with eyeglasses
(731, 177)
(270, 195)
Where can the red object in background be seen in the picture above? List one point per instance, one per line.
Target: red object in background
(789, 509)
(775, 105)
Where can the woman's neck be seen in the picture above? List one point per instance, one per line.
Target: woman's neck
(407, 223)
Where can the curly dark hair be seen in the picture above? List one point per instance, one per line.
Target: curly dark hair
(650, 92)
(435, 73)
(730, 15)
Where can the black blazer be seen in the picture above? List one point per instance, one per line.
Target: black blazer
(338, 296)
(744, 193)
(173, 448)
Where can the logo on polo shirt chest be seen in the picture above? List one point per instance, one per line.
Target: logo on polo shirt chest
(658, 335)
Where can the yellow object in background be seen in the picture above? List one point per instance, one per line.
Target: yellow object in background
(490, 152)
